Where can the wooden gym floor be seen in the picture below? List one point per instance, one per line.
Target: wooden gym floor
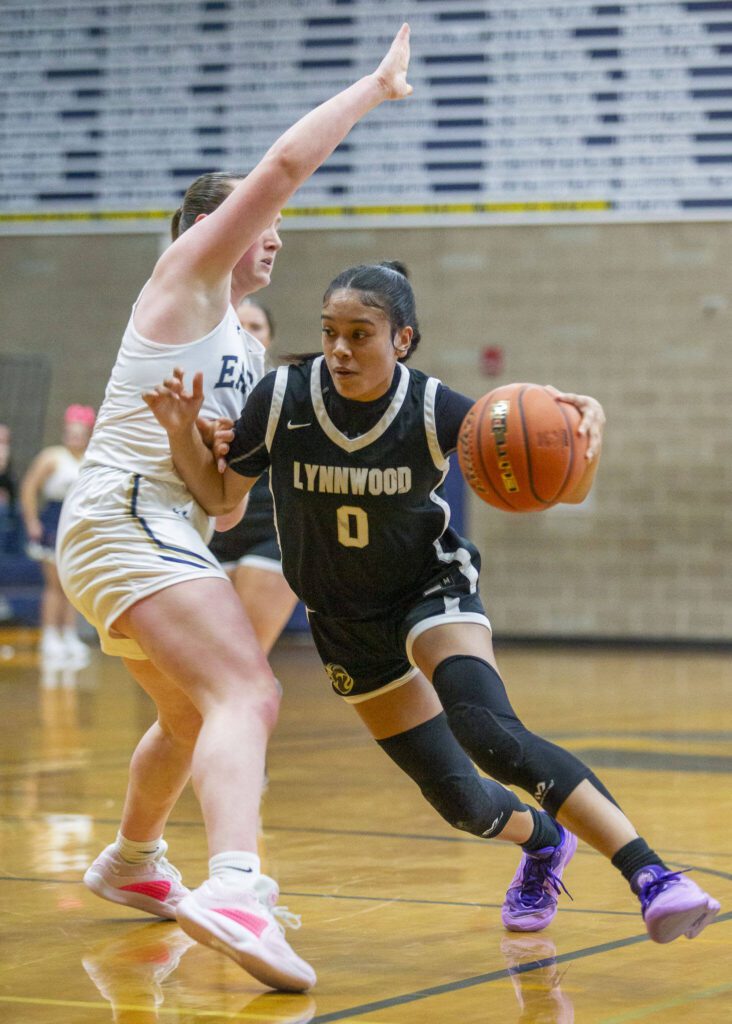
(400, 913)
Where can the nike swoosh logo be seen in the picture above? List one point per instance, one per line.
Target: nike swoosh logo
(247, 871)
(296, 426)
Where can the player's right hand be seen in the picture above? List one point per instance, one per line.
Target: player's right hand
(392, 72)
(173, 406)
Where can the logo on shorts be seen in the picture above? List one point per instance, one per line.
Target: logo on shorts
(342, 682)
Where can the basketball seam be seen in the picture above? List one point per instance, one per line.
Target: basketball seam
(527, 447)
(570, 467)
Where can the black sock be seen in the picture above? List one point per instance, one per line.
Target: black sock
(633, 856)
(546, 832)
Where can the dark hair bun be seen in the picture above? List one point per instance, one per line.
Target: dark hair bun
(397, 265)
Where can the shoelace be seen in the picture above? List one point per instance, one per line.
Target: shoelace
(651, 889)
(286, 919)
(164, 865)
(536, 874)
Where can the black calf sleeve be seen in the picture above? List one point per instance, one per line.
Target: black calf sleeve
(486, 726)
(433, 758)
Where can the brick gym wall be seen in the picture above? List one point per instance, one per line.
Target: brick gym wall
(637, 315)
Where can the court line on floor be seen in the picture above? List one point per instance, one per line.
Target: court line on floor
(356, 898)
(483, 979)
(375, 834)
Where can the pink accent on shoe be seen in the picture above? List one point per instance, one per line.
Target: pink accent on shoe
(249, 921)
(158, 890)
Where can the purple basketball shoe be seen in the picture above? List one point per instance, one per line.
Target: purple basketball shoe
(671, 904)
(531, 900)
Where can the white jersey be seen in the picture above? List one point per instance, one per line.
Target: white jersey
(65, 472)
(127, 436)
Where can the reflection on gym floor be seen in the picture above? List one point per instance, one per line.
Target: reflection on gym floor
(401, 915)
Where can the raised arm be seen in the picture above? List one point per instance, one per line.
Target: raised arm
(177, 410)
(200, 261)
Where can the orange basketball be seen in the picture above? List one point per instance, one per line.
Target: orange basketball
(519, 448)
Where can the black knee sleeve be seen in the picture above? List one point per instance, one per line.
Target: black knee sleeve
(433, 758)
(484, 723)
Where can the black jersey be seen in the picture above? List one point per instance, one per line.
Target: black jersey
(254, 528)
(361, 525)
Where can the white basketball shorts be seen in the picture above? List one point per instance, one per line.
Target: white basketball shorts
(123, 537)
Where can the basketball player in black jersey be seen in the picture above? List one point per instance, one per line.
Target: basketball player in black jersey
(249, 551)
(356, 445)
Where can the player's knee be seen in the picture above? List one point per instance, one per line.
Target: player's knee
(471, 804)
(181, 726)
(483, 737)
(486, 726)
(480, 715)
(255, 698)
(264, 701)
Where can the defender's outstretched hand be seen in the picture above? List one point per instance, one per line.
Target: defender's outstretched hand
(173, 406)
(392, 72)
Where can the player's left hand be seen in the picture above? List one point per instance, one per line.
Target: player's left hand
(207, 429)
(223, 436)
(593, 418)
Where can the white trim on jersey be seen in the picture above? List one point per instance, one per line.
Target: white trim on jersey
(354, 444)
(275, 409)
(462, 557)
(430, 424)
(438, 457)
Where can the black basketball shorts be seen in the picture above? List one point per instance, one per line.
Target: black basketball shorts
(365, 658)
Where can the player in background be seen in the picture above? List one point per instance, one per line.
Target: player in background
(133, 555)
(249, 551)
(46, 483)
(392, 591)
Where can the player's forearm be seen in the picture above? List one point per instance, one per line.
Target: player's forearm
(196, 466)
(311, 140)
(233, 518)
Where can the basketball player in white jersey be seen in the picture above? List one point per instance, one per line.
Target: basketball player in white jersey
(133, 556)
(46, 483)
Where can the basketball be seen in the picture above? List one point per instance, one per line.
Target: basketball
(519, 449)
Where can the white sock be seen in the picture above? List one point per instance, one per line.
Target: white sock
(236, 867)
(69, 633)
(51, 633)
(137, 852)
